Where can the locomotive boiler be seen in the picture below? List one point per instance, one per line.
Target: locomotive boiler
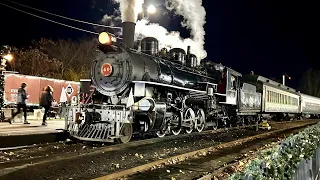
(151, 91)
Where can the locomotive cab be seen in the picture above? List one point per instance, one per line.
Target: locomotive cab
(228, 86)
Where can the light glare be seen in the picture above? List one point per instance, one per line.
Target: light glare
(152, 9)
(8, 57)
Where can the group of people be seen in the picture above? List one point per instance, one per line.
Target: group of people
(45, 102)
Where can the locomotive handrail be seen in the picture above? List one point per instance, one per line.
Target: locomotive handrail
(177, 65)
(109, 105)
(167, 85)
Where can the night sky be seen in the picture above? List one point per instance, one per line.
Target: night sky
(268, 37)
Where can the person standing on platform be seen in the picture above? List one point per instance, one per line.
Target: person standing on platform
(21, 103)
(45, 102)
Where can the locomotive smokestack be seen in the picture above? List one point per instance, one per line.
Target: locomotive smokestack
(128, 30)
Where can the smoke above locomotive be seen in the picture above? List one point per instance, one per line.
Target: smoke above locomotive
(192, 12)
(130, 9)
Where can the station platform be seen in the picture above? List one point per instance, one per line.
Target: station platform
(19, 134)
(35, 127)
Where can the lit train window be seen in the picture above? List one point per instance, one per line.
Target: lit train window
(286, 99)
(274, 97)
(279, 98)
(289, 100)
(294, 101)
(269, 96)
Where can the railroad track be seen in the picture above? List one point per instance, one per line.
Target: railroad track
(93, 150)
(165, 138)
(169, 163)
(25, 165)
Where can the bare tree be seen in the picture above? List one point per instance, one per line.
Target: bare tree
(34, 62)
(62, 59)
(75, 57)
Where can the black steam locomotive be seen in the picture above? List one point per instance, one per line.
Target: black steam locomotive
(152, 91)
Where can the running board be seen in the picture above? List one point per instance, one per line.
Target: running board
(219, 94)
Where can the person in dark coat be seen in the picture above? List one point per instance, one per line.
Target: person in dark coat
(45, 102)
(21, 103)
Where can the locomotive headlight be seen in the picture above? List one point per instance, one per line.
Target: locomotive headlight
(104, 38)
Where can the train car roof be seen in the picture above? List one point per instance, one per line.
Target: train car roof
(306, 95)
(267, 81)
(234, 72)
(205, 61)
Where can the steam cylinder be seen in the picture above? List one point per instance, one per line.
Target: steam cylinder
(178, 55)
(150, 45)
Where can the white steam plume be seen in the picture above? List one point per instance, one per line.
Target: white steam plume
(130, 9)
(166, 39)
(194, 16)
(194, 19)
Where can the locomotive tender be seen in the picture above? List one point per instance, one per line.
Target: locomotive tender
(161, 92)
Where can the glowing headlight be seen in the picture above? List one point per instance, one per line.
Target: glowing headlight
(104, 38)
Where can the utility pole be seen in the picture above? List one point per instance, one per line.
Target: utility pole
(284, 78)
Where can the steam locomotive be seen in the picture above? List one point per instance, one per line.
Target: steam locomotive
(163, 92)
